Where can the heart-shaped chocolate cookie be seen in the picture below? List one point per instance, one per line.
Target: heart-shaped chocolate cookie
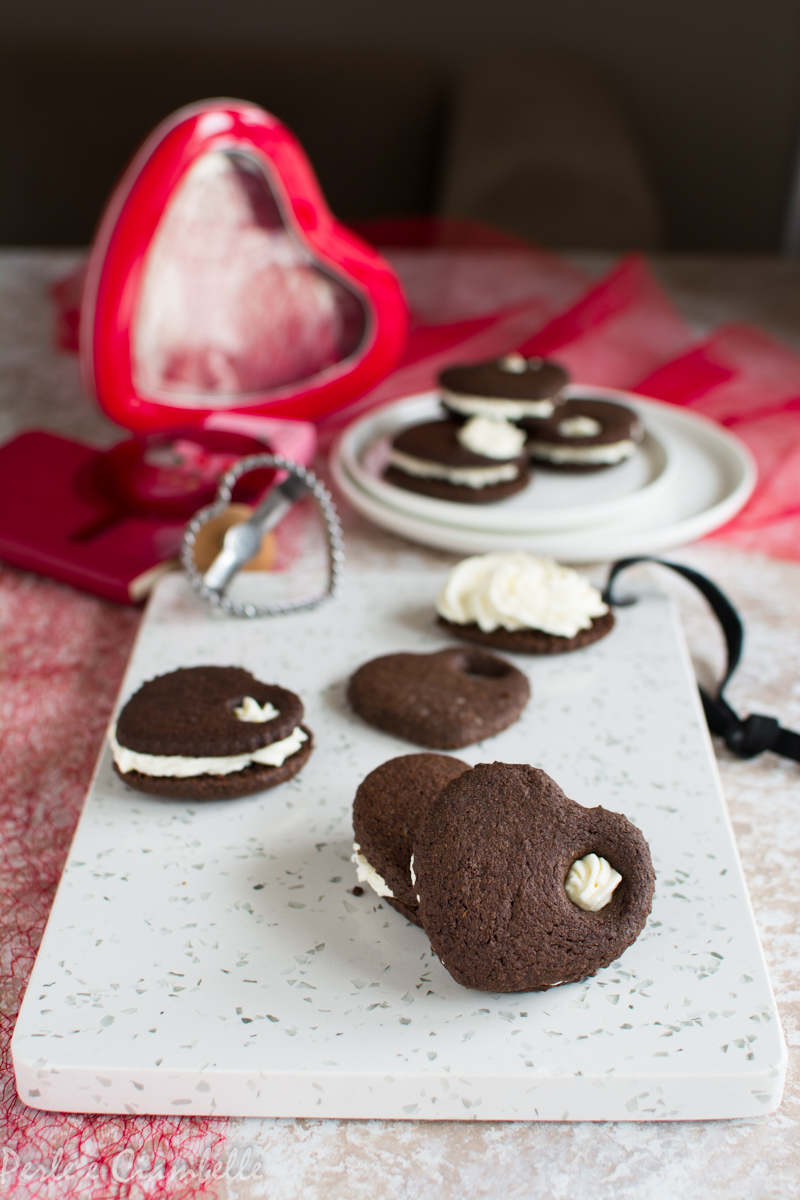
(585, 434)
(209, 733)
(388, 807)
(445, 700)
(491, 860)
(450, 461)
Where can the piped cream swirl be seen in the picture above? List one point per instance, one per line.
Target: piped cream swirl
(514, 590)
(591, 882)
(250, 710)
(492, 439)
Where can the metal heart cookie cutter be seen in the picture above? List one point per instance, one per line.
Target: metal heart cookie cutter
(243, 541)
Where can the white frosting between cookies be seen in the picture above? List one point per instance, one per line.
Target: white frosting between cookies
(590, 882)
(176, 766)
(498, 408)
(492, 439)
(611, 452)
(579, 427)
(515, 591)
(366, 873)
(473, 477)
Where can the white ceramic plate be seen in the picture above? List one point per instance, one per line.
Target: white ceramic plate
(553, 499)
(711, 477)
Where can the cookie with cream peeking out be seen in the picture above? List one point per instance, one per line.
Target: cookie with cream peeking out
(517, 602)
(209, 733)
(511, 388)
(478, 462)
(388, 807)
(585, 435)
(520, 888)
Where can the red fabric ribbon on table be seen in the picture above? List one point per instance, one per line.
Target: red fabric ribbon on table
(751, 384)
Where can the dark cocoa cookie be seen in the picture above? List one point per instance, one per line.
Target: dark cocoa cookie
(585, 435)
(491, 860)
(181, 735)
(530, 641)
(514, 601)
(387, 810)
(435, 459)
(512, 387)
(445, 700)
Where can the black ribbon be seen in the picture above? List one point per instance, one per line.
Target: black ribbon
(755, 733)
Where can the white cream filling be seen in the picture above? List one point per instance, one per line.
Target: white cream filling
(590, 883)
(473, 477)
(500, 408)
(176, 766)
(613, 452)
(250, 710)
(492, 439)
(514, 590)
(515, 363)
(579, 427)
(366, 873)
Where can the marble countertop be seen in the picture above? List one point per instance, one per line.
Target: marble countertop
(750, 1159)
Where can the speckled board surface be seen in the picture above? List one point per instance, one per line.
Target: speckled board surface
(211, 958)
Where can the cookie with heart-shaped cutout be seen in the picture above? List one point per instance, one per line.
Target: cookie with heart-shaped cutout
(388, 807)
(585, 434)
(479, 462)
(209, 733)
(511, 388)
(444, 700)
(491, 859)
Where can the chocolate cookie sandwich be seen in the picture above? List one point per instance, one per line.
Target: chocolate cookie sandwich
(520, 888)
(511, 388)
(516, 602)
(444, 700)
(387, 810)
(478, 462)
(586, 435)
(209, 733)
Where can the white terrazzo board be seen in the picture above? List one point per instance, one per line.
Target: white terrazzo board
(210, 957)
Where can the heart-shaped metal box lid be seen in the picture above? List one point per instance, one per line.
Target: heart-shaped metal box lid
(219, 281)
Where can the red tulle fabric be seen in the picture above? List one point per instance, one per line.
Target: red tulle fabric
(751, 384)
(620, 328)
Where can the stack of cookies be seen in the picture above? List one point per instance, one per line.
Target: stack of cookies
(500, 415)
(209, 733)
(517, 887)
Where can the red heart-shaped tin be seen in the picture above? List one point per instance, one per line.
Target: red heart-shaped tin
(219, 281)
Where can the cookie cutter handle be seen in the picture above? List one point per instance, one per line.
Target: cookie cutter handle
(297, 481)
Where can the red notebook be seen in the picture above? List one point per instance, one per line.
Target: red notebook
(51, 522)
(62, 515)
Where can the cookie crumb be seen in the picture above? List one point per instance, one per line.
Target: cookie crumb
(357, 891)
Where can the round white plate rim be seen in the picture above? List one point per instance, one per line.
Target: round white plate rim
(366, 430)
(583, 545)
